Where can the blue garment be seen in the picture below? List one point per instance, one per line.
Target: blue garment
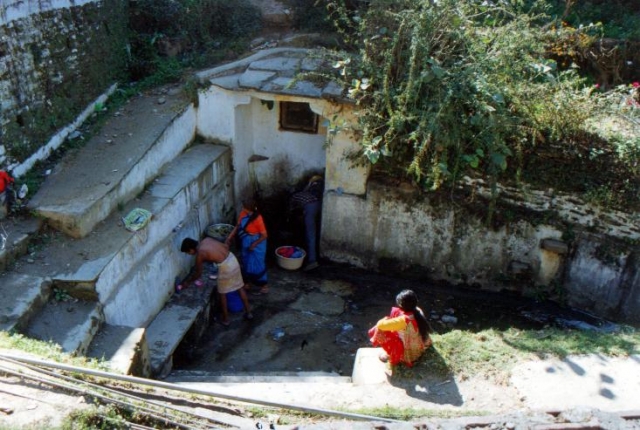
(311, 211)
(254, 267)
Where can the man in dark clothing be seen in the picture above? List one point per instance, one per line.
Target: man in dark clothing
(309, 200)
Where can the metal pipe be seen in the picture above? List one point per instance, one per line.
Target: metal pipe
(154, 414)
(175, 387)
(76, 385)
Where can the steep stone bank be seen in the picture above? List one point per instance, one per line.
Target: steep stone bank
(56, 58)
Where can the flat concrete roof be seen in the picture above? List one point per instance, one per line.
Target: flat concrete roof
(286, 71)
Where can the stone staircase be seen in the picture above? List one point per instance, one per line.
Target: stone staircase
(97, 280)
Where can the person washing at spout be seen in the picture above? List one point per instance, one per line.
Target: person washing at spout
(404, 334)
(229, 275)
(253, 239)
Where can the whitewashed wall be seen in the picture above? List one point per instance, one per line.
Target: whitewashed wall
(380, 227)
(391, 229)
(252, 129)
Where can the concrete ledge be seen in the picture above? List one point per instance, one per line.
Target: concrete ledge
(182, 186)
(72, 325)
(165, 333)
(368, 369)
(182, 376)
(125, 349)
(22, 297)
(15, 237)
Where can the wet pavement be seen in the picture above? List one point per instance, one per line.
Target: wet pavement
(317, 320)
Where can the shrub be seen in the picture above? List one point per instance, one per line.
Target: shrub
(451, 88)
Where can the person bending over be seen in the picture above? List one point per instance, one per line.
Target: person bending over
(229, 275)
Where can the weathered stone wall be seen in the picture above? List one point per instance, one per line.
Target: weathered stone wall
(539, 243)
(56, 57)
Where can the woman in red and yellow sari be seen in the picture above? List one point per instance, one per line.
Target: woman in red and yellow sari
(404, 334)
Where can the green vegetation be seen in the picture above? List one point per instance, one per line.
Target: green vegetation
(620, 19)
(408, 414)
(494, 353)
(45, 350)
(169, 36)
(104, 417)
(464, 88)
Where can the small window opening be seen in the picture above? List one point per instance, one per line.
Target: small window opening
(298, 117)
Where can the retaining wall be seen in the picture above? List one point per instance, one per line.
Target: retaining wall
(547, 245)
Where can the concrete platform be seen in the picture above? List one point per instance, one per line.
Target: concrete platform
(110, 169)
(594, 381)
(15, 236)
(22, 297)
(368, 369)
(125, 348)
(71, 324)
(185, 376)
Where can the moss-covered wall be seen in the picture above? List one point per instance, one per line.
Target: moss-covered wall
(53, 63)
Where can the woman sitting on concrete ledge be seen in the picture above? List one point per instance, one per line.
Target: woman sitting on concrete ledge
(404, 334)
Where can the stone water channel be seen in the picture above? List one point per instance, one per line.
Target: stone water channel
(316, 321)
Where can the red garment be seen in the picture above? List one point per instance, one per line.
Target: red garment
(404, 346)
(287, 251)
(5, 180)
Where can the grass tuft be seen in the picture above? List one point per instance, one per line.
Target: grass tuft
(493, 353)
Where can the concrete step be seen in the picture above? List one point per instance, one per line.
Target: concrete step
(15, 236)
(184, 318)
(367, 370)
(99, 267)
(196, 189)
(187, 376)
(22, 297)
(71, 324)
(124, 348)
(89, 185)
(129, 274)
